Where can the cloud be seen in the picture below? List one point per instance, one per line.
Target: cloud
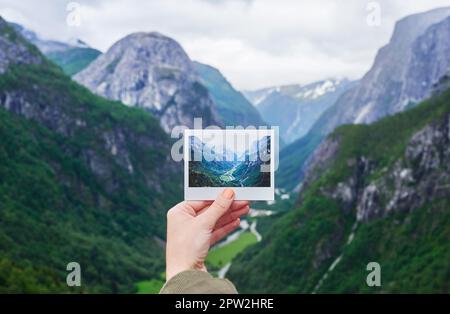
(254, 43)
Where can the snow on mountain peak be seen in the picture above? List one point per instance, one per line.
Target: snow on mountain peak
(318, 89)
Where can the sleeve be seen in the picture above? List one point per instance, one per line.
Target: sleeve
(197, 281)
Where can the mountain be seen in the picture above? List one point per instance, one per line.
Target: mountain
(295, 108)
(73, 60)
(72, 57)
(80, 181)
(232, 106)
(152, 71)
(378, 193)
(15, 50)
(404, 73)
(206, 166)
(297, 91)
(258, 95)
(44, 45)
(249, 171)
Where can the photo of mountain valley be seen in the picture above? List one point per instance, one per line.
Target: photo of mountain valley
(228, 168)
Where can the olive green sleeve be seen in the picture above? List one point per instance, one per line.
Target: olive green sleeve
(197, 281)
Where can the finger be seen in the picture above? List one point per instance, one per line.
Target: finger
(239, 204)
(197, 205)
(235, 206)
(230, 216)
(219, 207)
(221, 233)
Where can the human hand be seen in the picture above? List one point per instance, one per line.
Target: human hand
(194, 226)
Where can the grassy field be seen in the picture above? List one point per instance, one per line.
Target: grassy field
(219, 257)
(149, 286)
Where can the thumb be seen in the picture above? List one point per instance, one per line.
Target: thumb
(218, 208)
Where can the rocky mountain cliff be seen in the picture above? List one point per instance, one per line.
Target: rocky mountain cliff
(404, 73)
(14, 49)
(375, 193)
(80, 180)
(419, 177)
(232, 107)
(152, 71)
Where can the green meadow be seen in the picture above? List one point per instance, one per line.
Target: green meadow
(219, 257)
(151, 286)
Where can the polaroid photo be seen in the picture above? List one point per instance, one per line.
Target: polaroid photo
(239, 159)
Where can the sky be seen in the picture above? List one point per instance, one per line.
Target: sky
(254, 43)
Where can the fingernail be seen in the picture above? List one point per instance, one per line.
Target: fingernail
(228, 194)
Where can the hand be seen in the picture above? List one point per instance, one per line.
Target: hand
(194, 226)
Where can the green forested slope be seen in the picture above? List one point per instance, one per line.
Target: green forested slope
(411, 241)
(232, 106)
(81, 179)
(73, 60)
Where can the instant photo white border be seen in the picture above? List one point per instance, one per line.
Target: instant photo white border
(242, 193)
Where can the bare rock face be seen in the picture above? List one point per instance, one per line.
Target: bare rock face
(430, 61)
(14, 49)
(421, 175)
(151, 71)
(403, 73)
(414, 65)
(319, 161)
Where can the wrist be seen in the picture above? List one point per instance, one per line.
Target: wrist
(173, 269)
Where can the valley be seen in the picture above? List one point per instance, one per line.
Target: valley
(217, 170)
(86, 172)
(228, 176)
(351, 212)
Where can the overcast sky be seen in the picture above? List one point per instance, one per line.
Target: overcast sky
(253, 43)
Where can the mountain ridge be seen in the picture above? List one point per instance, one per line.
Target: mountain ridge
(295, 108)
(151, 71)
(72, 56)
(387, 88)
(231, 104)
